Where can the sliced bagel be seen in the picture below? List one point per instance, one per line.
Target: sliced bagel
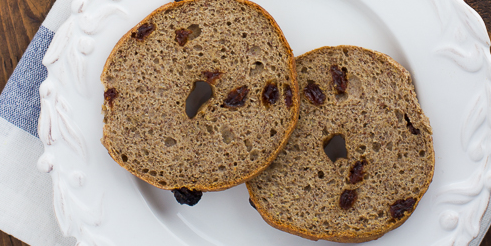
(235, 48)
(368, 100)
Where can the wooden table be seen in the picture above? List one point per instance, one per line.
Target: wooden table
(20, 19)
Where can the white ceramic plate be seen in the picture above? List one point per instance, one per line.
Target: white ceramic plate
(443, 43)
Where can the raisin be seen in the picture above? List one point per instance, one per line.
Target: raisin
(356, 173)
(236, 98)
(270, 94)
(143, 31)
(252, 204)
(182, 36)
(409, 125)
(109, 96)
(400, 206)
(211, 77)
(314, 94)
(339, 78)
(288, 96)
(348, 198)
(186, 196)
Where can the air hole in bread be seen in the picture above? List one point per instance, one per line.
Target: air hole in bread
(254, 51)
(244, 35)
(399, 115)
(198, 47)
(254, 155)
(296, 147)
(376, 146)
(335, 147)
(145, 170)
(153, 173)
(221, 168)
(304, 70)
(124, 158)
(196, 31)
(163, 183)
(256, 69)
(248, 145)
(145, 152)
(200, 94)
(227, 134)
(320, 174)
(410, 126)
(422, 153)
(169, 142)
(341, 97)
(209, 129)
(361, 149)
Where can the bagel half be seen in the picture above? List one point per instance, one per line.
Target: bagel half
(367, 99)
(234, 46)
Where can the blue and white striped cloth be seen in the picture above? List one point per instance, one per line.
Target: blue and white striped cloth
(26, 199)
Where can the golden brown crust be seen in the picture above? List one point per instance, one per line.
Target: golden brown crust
(345, 236)
(294, 108)
(341, 237)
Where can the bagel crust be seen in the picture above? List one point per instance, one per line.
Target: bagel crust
(240, 52)
(369, 100)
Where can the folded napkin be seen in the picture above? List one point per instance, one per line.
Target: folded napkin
(26, 197)
(26, 194)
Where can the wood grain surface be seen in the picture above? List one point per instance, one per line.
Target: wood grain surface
(20, 19)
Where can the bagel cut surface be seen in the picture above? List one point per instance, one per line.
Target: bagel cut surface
(233, 47)
(368, 100)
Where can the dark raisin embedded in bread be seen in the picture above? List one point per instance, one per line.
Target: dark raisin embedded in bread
(184, 95)
(364, 103)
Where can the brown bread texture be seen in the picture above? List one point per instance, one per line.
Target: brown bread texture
(390, 158)
(239, 50)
